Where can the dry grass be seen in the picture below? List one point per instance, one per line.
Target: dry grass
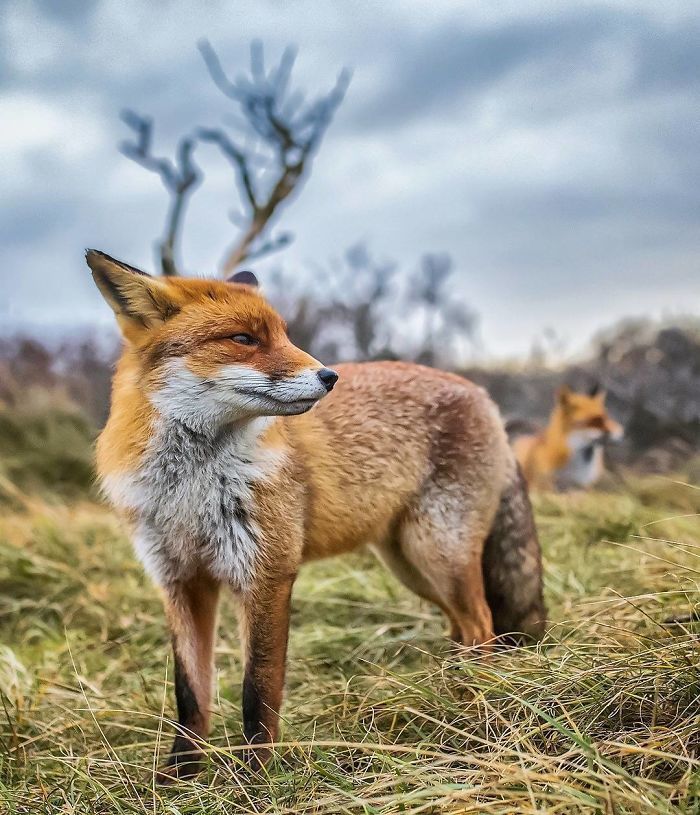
(381, 717)
(46, 446)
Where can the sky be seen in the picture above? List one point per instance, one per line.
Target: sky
(551, 148)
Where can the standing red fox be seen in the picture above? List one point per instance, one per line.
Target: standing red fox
(227, 479)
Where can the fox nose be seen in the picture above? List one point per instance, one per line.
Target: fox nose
(328, 378)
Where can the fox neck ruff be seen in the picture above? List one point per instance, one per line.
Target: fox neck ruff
(191, 500)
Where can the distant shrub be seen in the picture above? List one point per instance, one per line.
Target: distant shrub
(45, 448)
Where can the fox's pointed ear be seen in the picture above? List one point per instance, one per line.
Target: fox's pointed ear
(596, 391)
(136, 298)
(245, 278)
(563, 394)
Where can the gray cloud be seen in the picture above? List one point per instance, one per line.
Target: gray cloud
(454, 65)
(448, 67)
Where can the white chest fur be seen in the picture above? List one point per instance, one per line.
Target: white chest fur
(585, 466)
(193, 501)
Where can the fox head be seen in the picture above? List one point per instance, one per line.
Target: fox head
(208, 352)
(584, 417)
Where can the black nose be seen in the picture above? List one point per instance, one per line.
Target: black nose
(328, 377)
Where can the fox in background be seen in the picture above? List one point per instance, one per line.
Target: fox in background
(228, 479)
(569, 451)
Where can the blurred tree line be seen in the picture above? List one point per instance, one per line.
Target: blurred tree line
(651, 373)
(369, 309)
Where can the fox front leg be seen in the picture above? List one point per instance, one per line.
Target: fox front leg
(191, 608)
(264, 621)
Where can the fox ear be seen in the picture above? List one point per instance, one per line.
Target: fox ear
(136, 298)
(594, 390)
(563, 394)
(245, 278)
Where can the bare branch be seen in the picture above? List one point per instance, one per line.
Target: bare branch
(280, 76)
(140, 151)
(272, 245)
(179, 179)
(286, 131)
(222, 82)
(237, 157)
(290, 130)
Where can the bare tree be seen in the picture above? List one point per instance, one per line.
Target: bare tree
(288, 131)
(364, 296)
(447, 319)
(363, 312)
(278, 133)
(179, 177)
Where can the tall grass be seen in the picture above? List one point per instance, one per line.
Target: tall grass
(46, 446)
(381, 715)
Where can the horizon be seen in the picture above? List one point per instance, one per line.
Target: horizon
(53, 334)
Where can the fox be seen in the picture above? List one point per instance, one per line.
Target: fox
(234, 457)
(569, 451)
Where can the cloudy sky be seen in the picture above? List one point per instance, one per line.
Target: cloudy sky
(552, 148)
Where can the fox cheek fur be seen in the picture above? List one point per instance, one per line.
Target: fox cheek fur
(227, 478)
(234, 393)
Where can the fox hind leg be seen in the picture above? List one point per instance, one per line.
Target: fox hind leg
(445, 549)
(393, 557)
(485, 575)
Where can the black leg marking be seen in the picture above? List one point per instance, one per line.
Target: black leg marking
(185, 752)
(252, 711)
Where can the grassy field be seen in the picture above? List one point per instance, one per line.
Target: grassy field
(381, 716)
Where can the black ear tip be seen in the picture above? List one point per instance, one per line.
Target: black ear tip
(245, 278)
(92, 257)
(594, 390)
(101, 262)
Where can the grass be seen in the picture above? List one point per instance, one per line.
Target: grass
(45, 446)
(380, 716)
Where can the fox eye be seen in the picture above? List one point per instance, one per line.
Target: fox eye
(244, 339)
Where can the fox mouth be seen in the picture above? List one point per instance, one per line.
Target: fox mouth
(243, 391)
(279, 406)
